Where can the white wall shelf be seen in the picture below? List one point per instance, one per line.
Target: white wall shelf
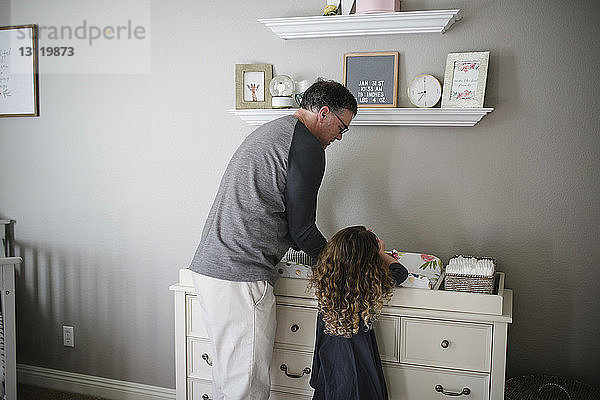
(383, 116)
(433, 21)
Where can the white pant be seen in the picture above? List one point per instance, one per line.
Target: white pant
(240, 321)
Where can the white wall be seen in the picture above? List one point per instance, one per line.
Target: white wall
(111, 184)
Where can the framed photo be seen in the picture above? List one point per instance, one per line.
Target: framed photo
(465, 79)
(372, 78)
(19, 71)
(252, 85)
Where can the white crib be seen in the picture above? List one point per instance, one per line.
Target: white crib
(8, 345)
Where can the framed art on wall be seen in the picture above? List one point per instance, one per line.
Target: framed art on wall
(465, 80)
(19, 71)
(372, 78)
(252, 85)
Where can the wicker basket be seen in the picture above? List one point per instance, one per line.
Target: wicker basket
(469, 283)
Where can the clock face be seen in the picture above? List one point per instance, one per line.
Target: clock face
(424, 91)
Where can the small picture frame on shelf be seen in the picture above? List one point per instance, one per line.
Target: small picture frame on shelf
(372, 78)
(252, 85)
(19, 87)
(465, 80)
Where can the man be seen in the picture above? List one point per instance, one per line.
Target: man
(265, 204)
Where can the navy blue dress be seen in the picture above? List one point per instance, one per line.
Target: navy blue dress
(349, 368)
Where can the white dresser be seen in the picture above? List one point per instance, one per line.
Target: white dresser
(434, 344)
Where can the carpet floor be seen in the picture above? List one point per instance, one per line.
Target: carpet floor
(25, 392)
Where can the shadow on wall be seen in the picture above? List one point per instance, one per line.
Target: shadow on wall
(537, 294)
(56, 288)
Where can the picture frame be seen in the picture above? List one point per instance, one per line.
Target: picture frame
(372, 78)
(252, 85)
(19, 76)
(465, 80)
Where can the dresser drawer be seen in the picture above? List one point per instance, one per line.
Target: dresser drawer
(387, 331)
(202, 390)
(199, 361)
(290, 372)
(199, 390)
(420, 383)
(275, 395)
(194, 323)
(296, 328)
(446, 344)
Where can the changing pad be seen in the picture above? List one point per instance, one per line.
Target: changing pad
(424, 269)
(420, 266)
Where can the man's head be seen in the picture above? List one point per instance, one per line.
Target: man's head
(328, 93)
(334, 107)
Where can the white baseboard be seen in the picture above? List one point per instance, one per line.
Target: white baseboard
(90, 385)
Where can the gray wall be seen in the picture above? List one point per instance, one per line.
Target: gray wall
(111, 185)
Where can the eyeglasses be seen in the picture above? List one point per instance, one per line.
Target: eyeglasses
(345, 128)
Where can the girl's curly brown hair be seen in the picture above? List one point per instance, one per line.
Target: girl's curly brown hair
(351, 281)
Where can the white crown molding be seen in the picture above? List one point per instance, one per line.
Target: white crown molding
(383, 116)
(90, 385)
(433, 21)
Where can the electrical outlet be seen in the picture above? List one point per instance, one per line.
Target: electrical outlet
(68, 337)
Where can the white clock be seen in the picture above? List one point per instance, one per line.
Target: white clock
(424, 91)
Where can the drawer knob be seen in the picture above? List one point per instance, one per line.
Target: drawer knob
(439, 388)
(205, 397)
(445, 344)
(284, 368)
(294, 328)
(206, 358)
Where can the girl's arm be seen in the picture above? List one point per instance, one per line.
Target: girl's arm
(399, 271)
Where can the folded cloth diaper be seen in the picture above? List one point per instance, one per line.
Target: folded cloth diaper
(423, 267)
(460, 265)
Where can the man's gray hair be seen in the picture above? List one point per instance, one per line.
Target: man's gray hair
(328, 93)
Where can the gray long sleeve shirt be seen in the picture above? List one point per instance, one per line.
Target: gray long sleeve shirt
(266, 203)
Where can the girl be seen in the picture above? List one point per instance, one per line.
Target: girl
(352, 279)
